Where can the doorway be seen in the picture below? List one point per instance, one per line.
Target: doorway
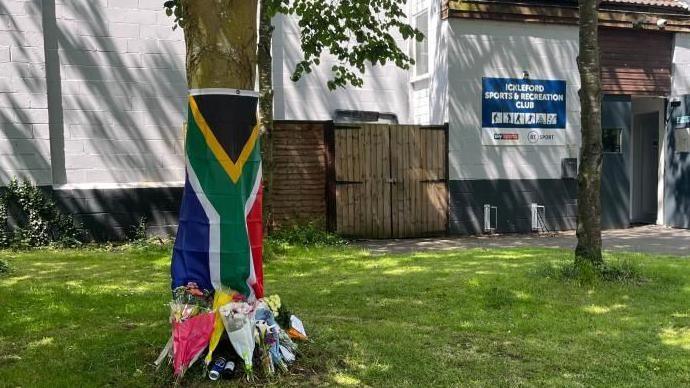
(647, 115)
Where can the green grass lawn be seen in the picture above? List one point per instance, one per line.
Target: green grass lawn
(94, 317)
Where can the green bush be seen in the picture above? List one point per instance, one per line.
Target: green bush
(4, 267)
(37, 220)
(306, 235)
(137, 233)
(138, 239)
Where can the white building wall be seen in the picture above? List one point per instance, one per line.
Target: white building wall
(439, 31)
(680, 81)
(123, 92)
(420, 102)
(24, 139)
(479, 49)
(119, 87)
(419, 85)
(386, 88)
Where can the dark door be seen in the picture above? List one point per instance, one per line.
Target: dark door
(645, 167)
(615, 180)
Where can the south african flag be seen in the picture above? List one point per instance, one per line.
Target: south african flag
(219, 239)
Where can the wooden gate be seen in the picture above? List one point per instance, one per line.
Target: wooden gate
(390, 180)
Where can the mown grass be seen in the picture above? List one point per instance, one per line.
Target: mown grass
(95, 317)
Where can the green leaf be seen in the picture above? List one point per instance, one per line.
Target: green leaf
(355, 32)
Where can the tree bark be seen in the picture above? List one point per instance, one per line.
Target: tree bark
(266, 109)
(589, 173)
(220, 36)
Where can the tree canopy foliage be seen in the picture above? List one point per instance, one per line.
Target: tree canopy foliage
(354, 32)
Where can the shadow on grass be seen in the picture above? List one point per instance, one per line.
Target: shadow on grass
(480, 316)
(485, 315)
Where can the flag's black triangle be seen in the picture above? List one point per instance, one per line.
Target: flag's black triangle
(231, 118)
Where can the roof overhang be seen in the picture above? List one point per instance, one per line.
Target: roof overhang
(620, 14)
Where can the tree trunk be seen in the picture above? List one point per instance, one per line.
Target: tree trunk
(589, 173)
(266, 109)
(219, 237)
(220, 36)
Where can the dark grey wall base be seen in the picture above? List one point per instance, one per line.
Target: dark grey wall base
(110, 214)
(513, 198)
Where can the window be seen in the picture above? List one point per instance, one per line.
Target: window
(612, 139)
(421, 49)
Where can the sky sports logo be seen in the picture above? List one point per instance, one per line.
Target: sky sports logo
(506, 136)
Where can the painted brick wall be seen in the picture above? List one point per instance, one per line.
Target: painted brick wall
(24, 144)
(116, 88)
(102, 84)
(113, 75)
(123, 92)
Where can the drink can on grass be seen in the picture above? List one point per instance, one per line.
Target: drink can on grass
(229, 369)
(217, 368)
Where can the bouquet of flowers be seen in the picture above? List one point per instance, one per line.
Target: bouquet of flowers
(189, 301)
(263, 325)
(192, 324)
(238, 319)
(268, 337)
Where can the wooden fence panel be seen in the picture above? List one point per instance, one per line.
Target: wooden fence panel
(362, 189)
(390, 180)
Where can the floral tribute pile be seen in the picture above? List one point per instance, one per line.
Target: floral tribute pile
(259, 332)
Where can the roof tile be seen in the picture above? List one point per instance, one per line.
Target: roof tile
(654, 3)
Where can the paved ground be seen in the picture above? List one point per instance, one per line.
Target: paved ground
(647, 239)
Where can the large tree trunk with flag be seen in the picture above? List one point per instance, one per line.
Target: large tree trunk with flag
(219, 239)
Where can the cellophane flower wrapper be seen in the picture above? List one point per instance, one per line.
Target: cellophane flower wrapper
(266, 340)
(238, 320)
(270, 332)
(190, 337)
(288, 355)
(287, 342)
(192, 320)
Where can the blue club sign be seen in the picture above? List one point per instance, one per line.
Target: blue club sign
(523, 111)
